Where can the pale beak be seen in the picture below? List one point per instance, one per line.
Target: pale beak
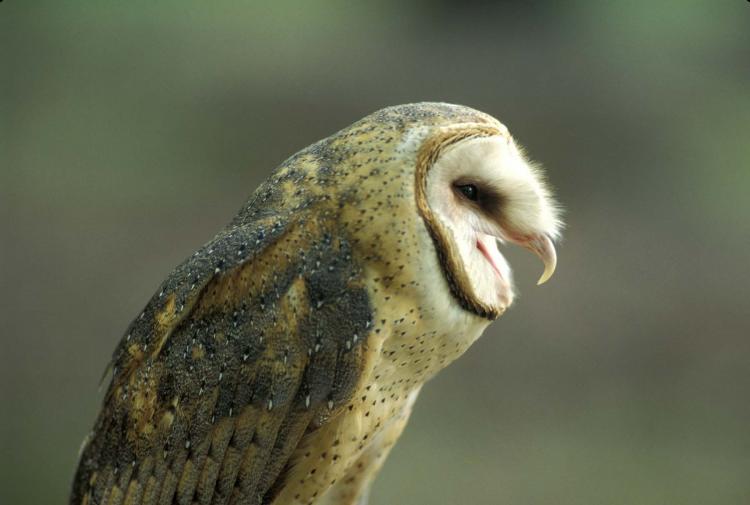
(542, 246)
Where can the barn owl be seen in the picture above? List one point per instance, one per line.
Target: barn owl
(280, 362)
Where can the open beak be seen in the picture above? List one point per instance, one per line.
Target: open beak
(542, 246)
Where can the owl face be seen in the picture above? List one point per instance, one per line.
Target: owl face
(478, 190)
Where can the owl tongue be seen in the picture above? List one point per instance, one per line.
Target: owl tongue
(487, 254)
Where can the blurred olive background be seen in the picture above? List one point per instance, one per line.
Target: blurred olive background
(131, 132)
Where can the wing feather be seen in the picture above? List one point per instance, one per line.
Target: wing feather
(250, 344)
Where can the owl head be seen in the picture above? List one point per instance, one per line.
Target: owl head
(425, 193)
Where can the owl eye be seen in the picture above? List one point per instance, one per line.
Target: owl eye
(470, 191)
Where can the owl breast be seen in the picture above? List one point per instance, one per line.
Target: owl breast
(413, 338)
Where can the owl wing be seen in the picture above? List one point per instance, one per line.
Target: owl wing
(255, 340)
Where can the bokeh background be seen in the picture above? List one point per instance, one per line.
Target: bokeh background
(130, 132)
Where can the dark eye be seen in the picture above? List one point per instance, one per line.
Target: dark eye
(470, 191)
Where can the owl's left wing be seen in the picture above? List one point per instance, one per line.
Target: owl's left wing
(254, 341)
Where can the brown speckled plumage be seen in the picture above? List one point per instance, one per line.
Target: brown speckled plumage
(278, 364)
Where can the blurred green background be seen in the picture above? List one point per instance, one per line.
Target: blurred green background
(130, 132)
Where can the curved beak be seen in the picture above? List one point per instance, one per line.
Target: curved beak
(542, 246)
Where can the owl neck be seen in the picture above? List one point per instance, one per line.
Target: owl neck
(417, 339)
